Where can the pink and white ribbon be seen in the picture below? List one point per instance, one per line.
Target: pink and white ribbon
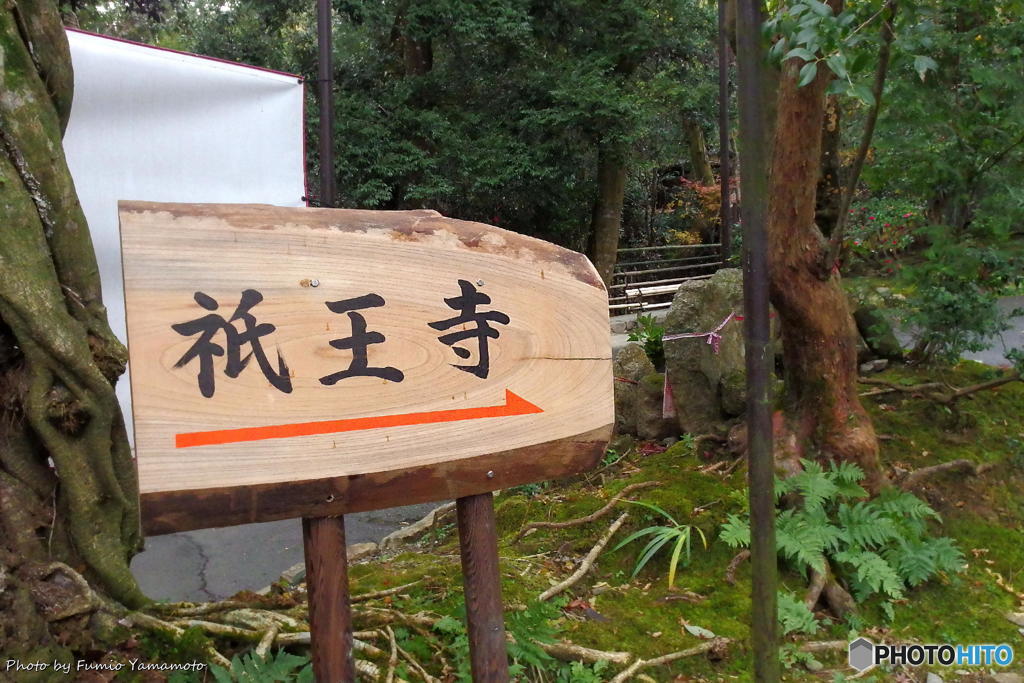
(714, 337)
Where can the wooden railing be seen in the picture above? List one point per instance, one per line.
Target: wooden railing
(646, 278)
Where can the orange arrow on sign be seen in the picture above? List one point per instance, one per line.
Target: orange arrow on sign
(514, 405)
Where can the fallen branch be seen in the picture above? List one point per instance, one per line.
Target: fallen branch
(916, 389)
(933, 390)
(734, 564)
(416, 666)
(384, 593)
(917, 477)
(568, 652)
(824, 645)
(591, 517)
(716, 644)
(588, 561)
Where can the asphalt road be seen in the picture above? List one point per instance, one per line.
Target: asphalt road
(211, 564)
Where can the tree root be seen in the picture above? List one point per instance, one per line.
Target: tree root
(589, 518)
(716, 646)
(588, 561)
(734, 564)
(143, 620)
(266, 641)
(824, 588)
(918, 477)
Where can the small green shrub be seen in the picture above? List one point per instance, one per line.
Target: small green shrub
(878, 231)
(677, 537)
(649, 333)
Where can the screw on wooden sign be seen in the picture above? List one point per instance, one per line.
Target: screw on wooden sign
(300, 362)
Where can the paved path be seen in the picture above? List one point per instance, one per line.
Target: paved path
(1013, 338)
(211, 564)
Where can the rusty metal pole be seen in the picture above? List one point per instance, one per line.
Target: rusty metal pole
(325, 79)
(754, 146)
(724, 165)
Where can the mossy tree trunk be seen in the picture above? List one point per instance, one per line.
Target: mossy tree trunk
(606, 220)
(68, 489)
(702, 172)
(823, 416)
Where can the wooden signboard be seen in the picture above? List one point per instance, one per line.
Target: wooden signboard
(291, 362)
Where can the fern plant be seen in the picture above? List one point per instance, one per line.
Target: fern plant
(678, 535)
(251, 668)
(879, 546)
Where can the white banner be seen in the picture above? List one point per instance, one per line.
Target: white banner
(158, 125)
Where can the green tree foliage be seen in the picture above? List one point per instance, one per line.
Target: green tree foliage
(953, 134)
(490, 111)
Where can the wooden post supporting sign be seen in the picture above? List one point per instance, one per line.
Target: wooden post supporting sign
(330, 615)
(478, 546)
(297, 362)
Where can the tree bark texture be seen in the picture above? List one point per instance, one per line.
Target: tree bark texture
(68, 488)
(607, 217)
(823, 416)
(702, 172)
(830, 186)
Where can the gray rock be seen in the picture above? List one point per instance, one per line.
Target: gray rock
(630, 366)
(1005, 677)
(873, 366)
(295, 574)
(650, 424)
(707, 387)
(359, 551)
(410, 533)
(1015, 618)
(933, 678)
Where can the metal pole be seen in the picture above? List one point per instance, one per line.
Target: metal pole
(325, 79)
(753, 208)
(724, 167)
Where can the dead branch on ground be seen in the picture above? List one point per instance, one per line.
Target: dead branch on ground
(591, 517)
(588, 561)
(918, 477)
(716, 646)
(933, 391)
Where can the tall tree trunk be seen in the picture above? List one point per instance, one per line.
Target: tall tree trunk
(68, 490)
(823, 416)
(607, 216)
(830, 186)
(698, 151)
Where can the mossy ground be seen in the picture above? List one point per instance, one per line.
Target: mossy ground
(642, 615)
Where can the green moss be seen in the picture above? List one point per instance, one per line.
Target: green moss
(984, 515)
